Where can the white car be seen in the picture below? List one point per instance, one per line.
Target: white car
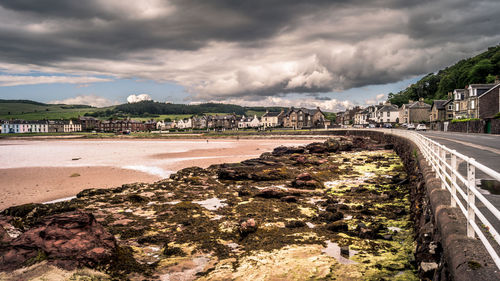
(410, 127)
(421, 127)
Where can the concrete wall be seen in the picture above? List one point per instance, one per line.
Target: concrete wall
(476, 126)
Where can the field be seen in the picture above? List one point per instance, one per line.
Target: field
(28, 111)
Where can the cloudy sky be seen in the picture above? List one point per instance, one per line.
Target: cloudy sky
(331, 53)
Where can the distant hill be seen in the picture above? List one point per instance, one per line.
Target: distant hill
(32, 110)
(151, 107)
(482, 68)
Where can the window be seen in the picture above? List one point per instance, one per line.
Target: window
(472, 104)
(457, 107)
(450, 107)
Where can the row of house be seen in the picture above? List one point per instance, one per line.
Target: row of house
(21, 126)
(480, 101)
(296, 118)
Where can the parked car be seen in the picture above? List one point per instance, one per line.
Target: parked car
(387, 125)
(404, 125)
(371, 125)
(410, 127)
(421, 127)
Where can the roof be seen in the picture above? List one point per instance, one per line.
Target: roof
(389, 108)
(439, 104)
(419, 104)
(271, 114)
(481, 85)
(492, 88)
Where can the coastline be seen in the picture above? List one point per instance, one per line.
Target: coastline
(38, 181)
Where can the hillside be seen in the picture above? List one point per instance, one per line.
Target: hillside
(32, 110)
(482, 68)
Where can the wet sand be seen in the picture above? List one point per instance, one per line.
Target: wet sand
(41, 171)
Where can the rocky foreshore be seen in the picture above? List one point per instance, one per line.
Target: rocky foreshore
(337, 210)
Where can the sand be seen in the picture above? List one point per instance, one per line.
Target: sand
(45, 170)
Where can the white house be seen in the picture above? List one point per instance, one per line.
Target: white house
(249, 122)
(72, 127)
(184, 123)
(20, 126)
(389, 113)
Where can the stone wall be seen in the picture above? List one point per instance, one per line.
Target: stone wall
(444, 252)
(476, 126)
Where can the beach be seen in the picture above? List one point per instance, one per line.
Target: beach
(44, 170)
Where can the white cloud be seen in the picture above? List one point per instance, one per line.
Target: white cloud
(18, 80)
(376, 100)
(138, 98)
(92, 100)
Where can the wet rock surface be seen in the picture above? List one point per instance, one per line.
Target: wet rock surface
(278, 209)
(67, 240)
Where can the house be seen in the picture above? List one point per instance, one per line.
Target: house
(361, 117)
(388, 113)
(199, 122)
(248, 122)
(473, 92)
(88, 123)
(489, 102)
(184, 123)
(21, 126)
(222, 121)
(414, 112)
(299, 118)
(272, 119)
(70, 126)
(349, 115)
(339, 117)
(438, 110)
(372, 112)
(56, 126)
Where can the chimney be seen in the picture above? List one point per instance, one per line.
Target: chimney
(421, 99)
(450, 94)
(410, 101)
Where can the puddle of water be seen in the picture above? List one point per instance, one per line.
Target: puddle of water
(333, 250)
(212, 204)
(188, 273)
(310, 225)
(152, 170)
(393, 228)
(348, 218)
(490, 186)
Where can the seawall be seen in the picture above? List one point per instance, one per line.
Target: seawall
(444, 252)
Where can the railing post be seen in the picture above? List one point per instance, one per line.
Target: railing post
(443, 167)
(454, 168)
(471, 183)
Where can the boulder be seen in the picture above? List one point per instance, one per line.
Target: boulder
(338, 226)
(295, 224)
(331, 217)
(271, 192)
(283, 150)
(304, 177)
(247, 226)
(67, 240)
(316, 147)
(332, 145)
(289, 199)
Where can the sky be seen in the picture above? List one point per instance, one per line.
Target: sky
(328, 53)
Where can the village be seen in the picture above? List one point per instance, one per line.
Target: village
(294, 118)
(477, 102)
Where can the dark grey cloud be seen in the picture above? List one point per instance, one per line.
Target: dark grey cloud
(226, 48)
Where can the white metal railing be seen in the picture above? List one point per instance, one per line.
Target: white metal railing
(463, 190)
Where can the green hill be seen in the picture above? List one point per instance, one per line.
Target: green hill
(483, 68)
(32, 110)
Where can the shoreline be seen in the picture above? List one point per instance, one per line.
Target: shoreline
(36, 180)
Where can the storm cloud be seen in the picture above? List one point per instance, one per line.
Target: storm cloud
(223, 49)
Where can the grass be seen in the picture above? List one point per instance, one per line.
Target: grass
(29, 112)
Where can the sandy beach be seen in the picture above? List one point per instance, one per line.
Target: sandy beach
(45, 170)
